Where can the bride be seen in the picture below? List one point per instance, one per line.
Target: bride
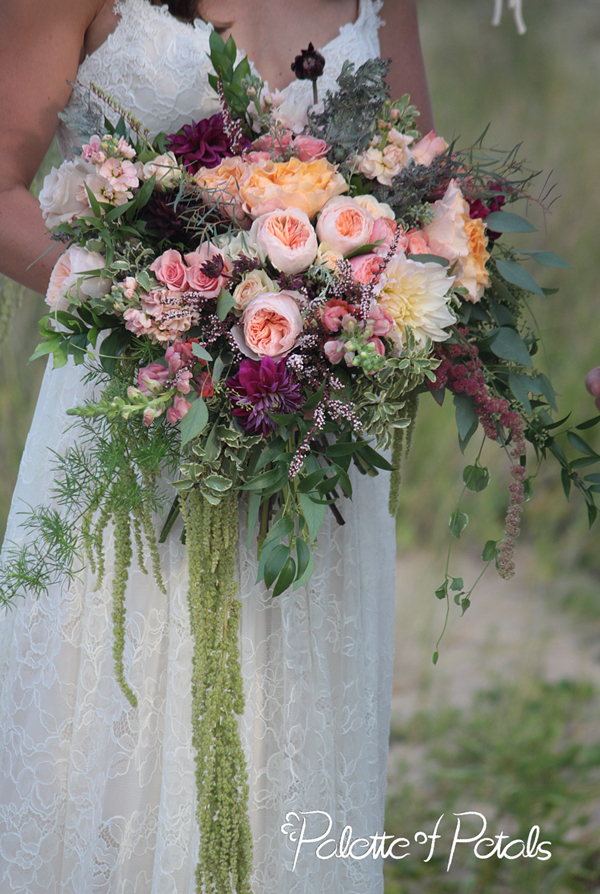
(97, 796)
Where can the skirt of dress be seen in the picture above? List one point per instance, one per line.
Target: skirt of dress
(97, 797)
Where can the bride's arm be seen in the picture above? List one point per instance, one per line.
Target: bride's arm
(41, 43)
(399, 40)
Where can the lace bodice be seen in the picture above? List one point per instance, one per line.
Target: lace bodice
(97, 797)
(157, 66)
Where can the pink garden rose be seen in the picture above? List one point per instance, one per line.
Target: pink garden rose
(170, 270)
(418, 243)
(70, 276)
(271, 325)
(426, 149)
(386, 229)
(308, 148)
(287, 237)
(344, 225)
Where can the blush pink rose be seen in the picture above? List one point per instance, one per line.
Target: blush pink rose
(365, 268)
(287, 238)
(271, 324)
(273, 146)
(170, 269)
(446, 233)
(308, 148)
(178, 409)
(198, 280)
(418, 243)
(426, 149)
(69, 278)
(386, 229)
(344, 224)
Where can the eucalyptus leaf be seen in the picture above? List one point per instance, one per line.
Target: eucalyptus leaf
(509, 345)
(225, 303)
(518, 276)
(508, 222)
(200, 352)
(194, 421)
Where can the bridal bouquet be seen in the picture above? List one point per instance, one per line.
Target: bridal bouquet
(276, 286)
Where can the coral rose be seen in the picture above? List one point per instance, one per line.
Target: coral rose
(220, 186)
(473, 275)
(271, 325)
(287, 238)
(344, 224)
(290, 184)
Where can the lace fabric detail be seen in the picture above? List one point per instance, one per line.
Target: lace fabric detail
(97, 797)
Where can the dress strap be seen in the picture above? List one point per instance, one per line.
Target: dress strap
(516, 6)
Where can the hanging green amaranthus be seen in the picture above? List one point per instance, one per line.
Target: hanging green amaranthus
(225, 857)
(401, 444)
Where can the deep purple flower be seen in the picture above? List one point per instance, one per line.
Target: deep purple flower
(202, 144)
(260, 388)
(309, 65)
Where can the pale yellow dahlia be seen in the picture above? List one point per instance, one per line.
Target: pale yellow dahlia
(416, 295)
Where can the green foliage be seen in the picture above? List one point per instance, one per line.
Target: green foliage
(232, 77)
(519, 757)
(349, 115)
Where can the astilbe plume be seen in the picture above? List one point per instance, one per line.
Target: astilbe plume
(262, 387)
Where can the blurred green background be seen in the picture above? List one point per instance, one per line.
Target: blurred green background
(521, 744)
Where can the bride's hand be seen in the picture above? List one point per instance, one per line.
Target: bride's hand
(592, 383)
(41, 45)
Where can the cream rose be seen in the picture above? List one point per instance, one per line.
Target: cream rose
(376, 209)
(287, 238)
(271, 325)
(69, 278)
(344, 224)
(252, 285)
(168, 173)
(328, 256)
(62, 197)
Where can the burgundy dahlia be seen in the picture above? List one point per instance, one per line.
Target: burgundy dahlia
(202, 145)
(260, 388)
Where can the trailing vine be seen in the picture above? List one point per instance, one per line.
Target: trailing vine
(225, 858)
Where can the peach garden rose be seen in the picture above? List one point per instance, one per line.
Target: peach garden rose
(290, 184)
(344, 224)
(287, 238)
(271, 325)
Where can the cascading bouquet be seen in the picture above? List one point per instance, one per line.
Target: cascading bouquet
(274, 290)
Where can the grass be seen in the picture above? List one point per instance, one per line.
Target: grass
(521, 756)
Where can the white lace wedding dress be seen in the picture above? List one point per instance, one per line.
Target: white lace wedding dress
(97, 797)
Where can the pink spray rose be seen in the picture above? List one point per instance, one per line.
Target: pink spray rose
(170, 270)
(344, 224)
(366, 267)
(198, 279)
(308, 148)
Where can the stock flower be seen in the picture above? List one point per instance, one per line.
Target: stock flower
(259, 388)
(271, 325)
(121, 174)
(344, 224)
(287, 238)
(416, 295)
